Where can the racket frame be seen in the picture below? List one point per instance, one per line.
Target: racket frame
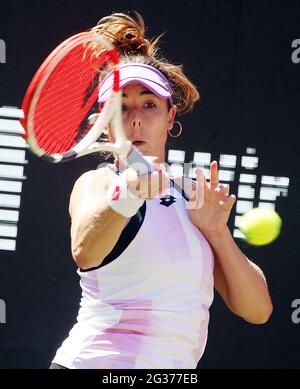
(111, 111)
(87, 144)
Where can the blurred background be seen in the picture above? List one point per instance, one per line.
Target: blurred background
(244, 58)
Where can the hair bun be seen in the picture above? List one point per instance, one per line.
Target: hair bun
(127, 34)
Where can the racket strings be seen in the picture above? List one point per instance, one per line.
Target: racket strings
(68, 98)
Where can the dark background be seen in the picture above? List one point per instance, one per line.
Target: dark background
(238, 53)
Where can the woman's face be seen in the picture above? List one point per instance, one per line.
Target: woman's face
(146, 120)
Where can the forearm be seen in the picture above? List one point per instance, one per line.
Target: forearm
(95, 236)
(246, 288)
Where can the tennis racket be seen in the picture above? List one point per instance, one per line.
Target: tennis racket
(62, 119)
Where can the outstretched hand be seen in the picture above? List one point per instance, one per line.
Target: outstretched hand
(210, 206)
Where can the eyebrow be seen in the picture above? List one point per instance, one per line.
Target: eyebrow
(144, 92)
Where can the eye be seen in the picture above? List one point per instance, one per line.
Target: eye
(150, 105)
(124, 107)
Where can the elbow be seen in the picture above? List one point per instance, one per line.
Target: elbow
(83, 259)
(79, 258)
(265, 316)
(262, 316)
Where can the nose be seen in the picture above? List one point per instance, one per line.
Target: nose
(136, 123)
(135, 120)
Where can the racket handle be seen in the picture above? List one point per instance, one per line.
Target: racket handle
(136, 160)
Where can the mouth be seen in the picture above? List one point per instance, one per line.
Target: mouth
(138, 143)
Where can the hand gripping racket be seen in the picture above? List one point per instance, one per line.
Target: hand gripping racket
(61, 111)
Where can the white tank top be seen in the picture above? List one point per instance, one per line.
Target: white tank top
(147, 305)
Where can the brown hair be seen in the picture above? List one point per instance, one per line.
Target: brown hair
(127, 34)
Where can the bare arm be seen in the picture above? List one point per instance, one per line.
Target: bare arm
(240, 282)
(95, 226)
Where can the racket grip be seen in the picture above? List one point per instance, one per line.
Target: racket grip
(136, 160)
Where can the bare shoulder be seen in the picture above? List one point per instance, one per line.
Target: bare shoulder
(94, 179)
(90, 187)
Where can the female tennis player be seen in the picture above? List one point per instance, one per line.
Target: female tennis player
(149, 260)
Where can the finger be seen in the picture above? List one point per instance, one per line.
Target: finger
(228, 203)
(223, 189)
(214, 176)
(133, 181)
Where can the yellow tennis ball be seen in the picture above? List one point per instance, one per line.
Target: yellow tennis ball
(260, 226)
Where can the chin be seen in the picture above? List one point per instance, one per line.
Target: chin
(142, 148)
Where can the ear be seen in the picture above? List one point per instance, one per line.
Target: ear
(171, 113)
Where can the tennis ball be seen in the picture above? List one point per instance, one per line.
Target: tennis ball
(260, 226)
